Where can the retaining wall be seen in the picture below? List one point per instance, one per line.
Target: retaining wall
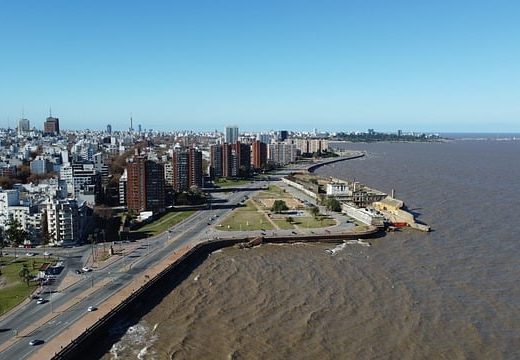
(96, 341)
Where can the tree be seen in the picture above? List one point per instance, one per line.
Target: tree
(2, 242)
(46, 235)
(15, 233)
(25, 274)
(314, 211)
(279, 206)
(332, 204)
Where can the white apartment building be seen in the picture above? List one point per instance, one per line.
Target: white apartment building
(281, 153)
(63, 221)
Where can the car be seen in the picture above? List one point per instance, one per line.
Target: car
(78, 271)
(41, 301)
(29, 254)
(91, 308)
(86, 269)
(46, 253)
(35, 342)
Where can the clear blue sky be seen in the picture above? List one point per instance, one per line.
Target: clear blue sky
(263, 64)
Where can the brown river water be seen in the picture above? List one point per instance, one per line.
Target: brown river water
(453, 293)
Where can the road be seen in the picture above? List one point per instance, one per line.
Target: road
(66, 307)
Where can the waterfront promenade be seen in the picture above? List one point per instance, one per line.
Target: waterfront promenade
(166, 249)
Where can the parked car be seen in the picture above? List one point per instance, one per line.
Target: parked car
(91, 308)
(86, 269)
(78, 271)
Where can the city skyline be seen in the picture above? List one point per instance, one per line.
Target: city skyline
(262, 65)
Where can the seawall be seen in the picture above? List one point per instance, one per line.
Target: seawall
(96, 340)
(355, 155)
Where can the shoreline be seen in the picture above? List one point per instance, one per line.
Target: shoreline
(89, 330)
(355, 155)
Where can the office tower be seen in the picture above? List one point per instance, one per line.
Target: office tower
(283, 135)
(51, 126)
(259, 156)
(23, 126)
(109, 129)
(231, 136)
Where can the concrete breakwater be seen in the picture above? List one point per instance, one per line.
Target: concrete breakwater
(92, 342)
(354, 155)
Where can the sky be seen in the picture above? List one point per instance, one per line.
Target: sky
(433, 66)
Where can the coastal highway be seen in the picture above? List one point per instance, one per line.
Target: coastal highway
(66, 307)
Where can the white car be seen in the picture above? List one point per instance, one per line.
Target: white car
(41, 301)
(86, 269)
(46, 253)
(29, 254)
(91, 308)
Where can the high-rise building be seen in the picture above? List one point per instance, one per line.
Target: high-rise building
(155, 186)
(122, 187)
(215, 155)
(180, 162)
(283, 135)
(231, 136)
(310, 146)
(259, 156)
(109, 129)
(187, 169)
(145, 184)
(281, 153)
(230, 160)
(63, 221)
(23, 126)
(195, 168)
(243, 152)
(51, 126)
(136, 183)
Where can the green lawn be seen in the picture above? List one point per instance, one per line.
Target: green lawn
(164, 223)
(273, 192)
(14, 291)
(310, 222)
(224, 183)
(246, 218)
(283, 224)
